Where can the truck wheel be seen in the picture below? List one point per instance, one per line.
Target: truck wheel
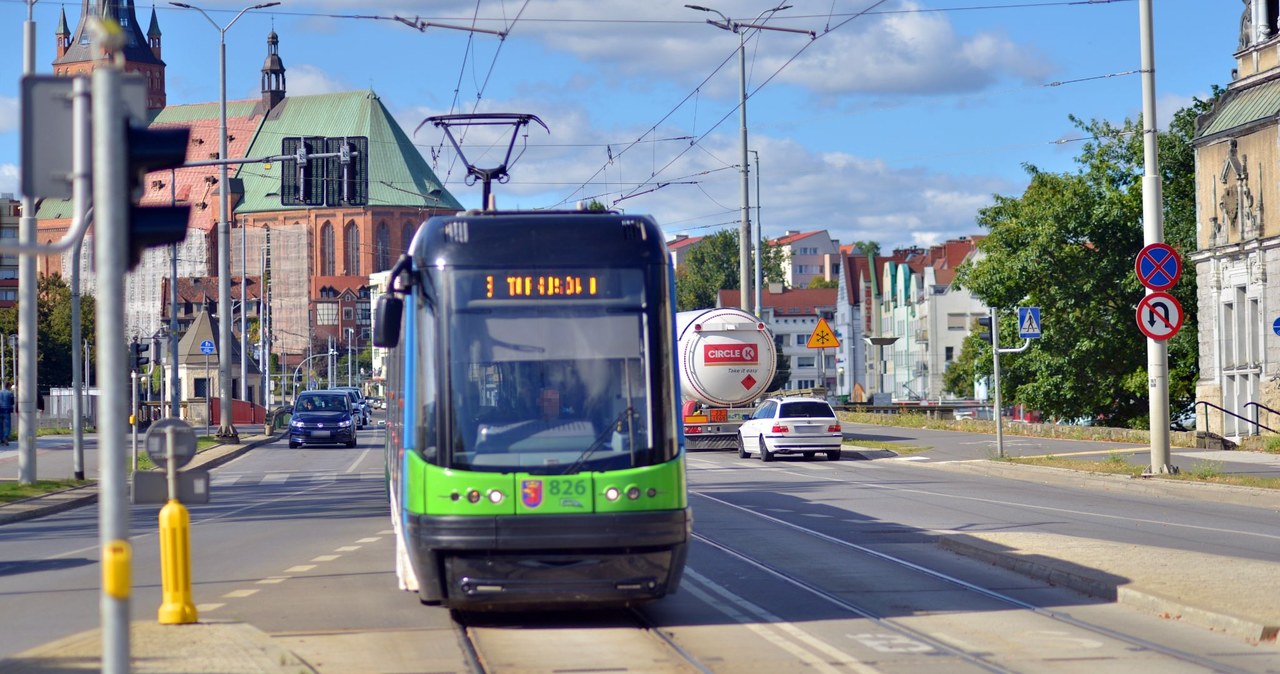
(765, 454)
(742, 448)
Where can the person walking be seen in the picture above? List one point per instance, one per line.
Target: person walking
(6, 412)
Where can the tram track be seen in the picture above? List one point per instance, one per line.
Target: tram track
(985, 662)
(620, 640)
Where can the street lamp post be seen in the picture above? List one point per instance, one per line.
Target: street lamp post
(350, 333)
(744, 230)
(225, 428)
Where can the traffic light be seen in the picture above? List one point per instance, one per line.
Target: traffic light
(136, 359)
(153, 150)
(348, 171)
(985, 323)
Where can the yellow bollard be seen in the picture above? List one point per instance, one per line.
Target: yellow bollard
(175, 565)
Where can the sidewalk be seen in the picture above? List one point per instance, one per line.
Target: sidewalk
(215, 647)
(1239, 597)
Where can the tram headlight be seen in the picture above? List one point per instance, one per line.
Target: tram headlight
(633, 492)
(496, 497)
(612, 493)
(473, 495)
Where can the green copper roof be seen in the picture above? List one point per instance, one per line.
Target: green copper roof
(1250, 105)
(398, 173)
(154, 29)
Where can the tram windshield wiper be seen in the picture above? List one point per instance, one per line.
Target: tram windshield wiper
(599, 441)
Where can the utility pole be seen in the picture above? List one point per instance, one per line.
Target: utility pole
(1153, 232)
(744, 229)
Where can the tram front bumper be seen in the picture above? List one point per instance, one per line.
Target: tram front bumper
(550, 560)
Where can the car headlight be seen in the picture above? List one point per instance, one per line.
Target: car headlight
(344, 423)
(296, 424)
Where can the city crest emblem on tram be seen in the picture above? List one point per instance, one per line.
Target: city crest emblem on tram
(531, 493)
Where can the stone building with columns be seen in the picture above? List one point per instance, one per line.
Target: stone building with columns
(1237, 261)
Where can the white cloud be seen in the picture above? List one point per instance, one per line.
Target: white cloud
(308, 80)
(9, 179)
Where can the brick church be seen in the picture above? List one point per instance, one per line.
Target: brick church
(315, 261)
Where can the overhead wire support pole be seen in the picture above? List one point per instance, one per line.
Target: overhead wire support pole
(744, 227)
(1153, 232)
(225, 427)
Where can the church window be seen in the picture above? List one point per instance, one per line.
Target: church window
(382, 248)
(406, 236)
(326, 249)
(351, 237)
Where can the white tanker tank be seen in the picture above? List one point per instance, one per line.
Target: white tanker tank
(727, 360)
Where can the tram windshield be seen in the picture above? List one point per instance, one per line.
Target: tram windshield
(549, 386)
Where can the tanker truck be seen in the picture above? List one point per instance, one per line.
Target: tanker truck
(727, 360)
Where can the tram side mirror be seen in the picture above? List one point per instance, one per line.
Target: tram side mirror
(386, 322)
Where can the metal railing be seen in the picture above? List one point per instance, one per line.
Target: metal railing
(1208, 404)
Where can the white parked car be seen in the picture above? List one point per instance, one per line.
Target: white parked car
(804, 426)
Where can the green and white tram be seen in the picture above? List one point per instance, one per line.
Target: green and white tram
(533, 445)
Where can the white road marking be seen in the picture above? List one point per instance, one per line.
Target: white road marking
(301, 568)
(239, 594)
(326, 558)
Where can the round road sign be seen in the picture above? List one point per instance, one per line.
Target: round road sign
(184, 442)
(1159, 316)
(206, 347)
(1158, 266)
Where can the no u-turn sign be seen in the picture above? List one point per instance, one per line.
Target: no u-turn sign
(1159, 316)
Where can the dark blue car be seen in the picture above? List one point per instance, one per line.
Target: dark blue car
(322, 417)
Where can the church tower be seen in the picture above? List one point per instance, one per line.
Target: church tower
(77, 55)
(272, 75)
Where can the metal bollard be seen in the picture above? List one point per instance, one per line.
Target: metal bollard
(177, 607)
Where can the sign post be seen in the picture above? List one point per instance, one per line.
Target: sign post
(823, 338)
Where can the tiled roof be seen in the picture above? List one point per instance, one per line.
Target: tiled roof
(197, 289)
(398, 173)
(682, 242)
(792, 238)
(804, 301)
(196, 186)
(341, 284)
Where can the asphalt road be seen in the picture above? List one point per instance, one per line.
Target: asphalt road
(944, 445)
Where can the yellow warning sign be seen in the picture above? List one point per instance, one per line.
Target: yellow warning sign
(822, 337)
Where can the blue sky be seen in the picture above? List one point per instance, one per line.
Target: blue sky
(896, 124)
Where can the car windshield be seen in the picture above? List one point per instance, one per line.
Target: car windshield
(322, 403)
(805, 410)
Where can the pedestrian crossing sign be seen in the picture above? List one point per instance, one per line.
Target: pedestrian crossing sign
(823, 337)
(1029, 322)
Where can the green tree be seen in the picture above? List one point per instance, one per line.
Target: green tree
(1068, 245)
(53, 330)
(712, 266)
(865, 248)
(819, 282)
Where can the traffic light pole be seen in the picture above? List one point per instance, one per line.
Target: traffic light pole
(110, 196)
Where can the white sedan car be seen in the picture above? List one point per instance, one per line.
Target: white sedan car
(804, 426)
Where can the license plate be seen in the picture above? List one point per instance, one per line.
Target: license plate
(321, 434)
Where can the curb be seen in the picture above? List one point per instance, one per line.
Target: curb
(78, 497)
(1102, 585)
(1153, 486)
